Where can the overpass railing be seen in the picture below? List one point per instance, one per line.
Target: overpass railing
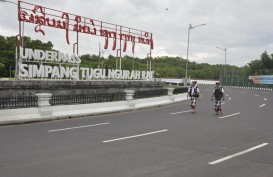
(34, 101)
(86, 98)
(18, 102)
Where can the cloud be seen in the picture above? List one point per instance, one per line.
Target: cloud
(244, 27)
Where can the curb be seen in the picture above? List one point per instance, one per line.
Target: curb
(80, 115)
(250, 88)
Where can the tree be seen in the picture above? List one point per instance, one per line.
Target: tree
(2, 66)
(7, 51)
(266, 61)
(163, 66)
(264, 65)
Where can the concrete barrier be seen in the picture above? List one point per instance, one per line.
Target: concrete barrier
(45, 113)
(250, 88)
(43, 99)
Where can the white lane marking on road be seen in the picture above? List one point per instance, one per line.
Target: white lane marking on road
(262, 105)
(238, 154)
(180, 112)
(229, 98)
(256, 95)
(229, 115)
(265, 99)
(227, 95)
(135, 136)
(77, 127)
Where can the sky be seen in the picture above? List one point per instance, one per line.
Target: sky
(243, 27)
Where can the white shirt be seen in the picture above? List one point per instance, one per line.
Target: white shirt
(192, 90)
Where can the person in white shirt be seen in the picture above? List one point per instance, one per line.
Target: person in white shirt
(218, 95)
(193, 92)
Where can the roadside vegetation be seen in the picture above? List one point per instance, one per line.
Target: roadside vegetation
(164, 66)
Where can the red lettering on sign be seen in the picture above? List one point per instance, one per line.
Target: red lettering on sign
(41, 16)
(65, 26)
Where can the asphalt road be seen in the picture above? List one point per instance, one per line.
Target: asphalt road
(159, 142)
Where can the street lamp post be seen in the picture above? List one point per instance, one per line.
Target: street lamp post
(133, 67)
(117, 60)
(225, 67)
(149, 58)
(190, 28)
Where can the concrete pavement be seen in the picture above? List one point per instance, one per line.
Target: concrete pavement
(149, 142)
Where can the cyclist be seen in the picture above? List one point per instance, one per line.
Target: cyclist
(218, 94)
(193, 92)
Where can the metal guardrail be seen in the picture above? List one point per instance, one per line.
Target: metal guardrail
(86, 98)
(150, 93)
(18, 102)
(32, 101)
(242, 82)
(180, 90)
(157, 93)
